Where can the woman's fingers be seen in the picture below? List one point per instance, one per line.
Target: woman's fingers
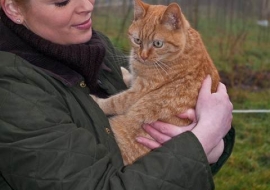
(189, 114)
(156, 134)
(216, 152)
(171, 130)
(205, 90)
(162, 132)
(222, 87)
(149, 143)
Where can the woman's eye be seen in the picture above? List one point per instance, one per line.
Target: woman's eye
(137, 41)
(158, 44)
(61, 4)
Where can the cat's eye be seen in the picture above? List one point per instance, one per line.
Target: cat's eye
(137, 41)
(62, 3)
(158, 44)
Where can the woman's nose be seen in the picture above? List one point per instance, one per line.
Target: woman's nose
(85, 5)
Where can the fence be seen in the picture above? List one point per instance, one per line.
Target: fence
(251, 111)
(224, 14)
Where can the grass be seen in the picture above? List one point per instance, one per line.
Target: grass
(249, 99)
(243, 44)
(248, 166)
(237, 45)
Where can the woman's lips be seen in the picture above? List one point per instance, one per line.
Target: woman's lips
(84, 25)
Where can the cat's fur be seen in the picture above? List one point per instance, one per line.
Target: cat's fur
(166, 78)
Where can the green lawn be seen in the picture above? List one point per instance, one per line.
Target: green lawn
(248, 168)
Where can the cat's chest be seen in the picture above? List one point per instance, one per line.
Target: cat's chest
(143, 85)
(176, 86)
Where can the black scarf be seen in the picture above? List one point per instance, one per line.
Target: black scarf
(85, 59)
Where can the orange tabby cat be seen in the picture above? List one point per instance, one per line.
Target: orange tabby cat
(168, 64)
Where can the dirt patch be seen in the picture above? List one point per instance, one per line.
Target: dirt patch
(246, 78)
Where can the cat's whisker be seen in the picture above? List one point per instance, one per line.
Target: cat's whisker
(160, 70)
(165, 65)
(157, 66)
(162, 66)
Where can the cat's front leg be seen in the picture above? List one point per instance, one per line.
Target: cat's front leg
(121, 102)
(105, 105)
(114, 105)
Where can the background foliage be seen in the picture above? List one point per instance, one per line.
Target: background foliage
(240, 48)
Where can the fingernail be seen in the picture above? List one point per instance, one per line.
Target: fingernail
(138, 139)
(145, 125)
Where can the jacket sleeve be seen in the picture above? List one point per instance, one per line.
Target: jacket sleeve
(42, 148)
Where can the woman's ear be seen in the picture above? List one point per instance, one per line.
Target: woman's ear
(12, 11)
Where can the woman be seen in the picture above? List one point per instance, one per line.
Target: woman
(54, 136)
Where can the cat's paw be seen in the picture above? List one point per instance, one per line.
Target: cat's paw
(94, 98)
(127, 76)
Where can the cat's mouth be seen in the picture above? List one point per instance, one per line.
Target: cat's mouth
(140, 59)
(145, 62)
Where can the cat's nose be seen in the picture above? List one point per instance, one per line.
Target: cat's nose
(144, 56)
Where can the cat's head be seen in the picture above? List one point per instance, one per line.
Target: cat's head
(158, 33)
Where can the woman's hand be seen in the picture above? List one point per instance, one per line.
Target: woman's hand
(214, 115)
(216, 152)
(162, 132)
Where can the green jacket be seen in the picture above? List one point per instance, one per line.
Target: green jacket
(54, 136)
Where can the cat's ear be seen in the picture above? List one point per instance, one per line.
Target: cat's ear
(140, 9)
(173, 17)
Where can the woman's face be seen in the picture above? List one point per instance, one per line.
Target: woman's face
(60, 21)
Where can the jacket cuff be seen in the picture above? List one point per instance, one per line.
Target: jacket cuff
(229, 140)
